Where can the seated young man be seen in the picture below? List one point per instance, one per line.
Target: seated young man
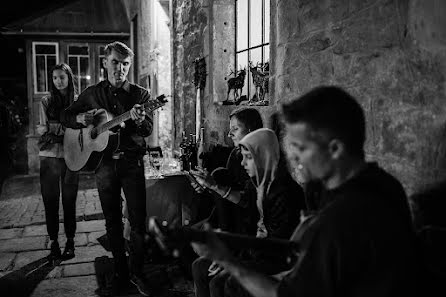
(361, 242)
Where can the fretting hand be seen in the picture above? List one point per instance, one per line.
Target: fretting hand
(214, 249)
(138, 113)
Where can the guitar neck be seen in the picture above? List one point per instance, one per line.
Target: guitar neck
(238, 241)
(114, 122)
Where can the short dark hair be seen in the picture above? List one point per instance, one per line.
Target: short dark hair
(248, 116)
(332, 110)
(120, 48)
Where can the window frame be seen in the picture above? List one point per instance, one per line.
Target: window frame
(249, 48)
(75, 76)
(34, 55)
(100, 64)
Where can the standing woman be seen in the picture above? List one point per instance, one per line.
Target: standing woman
(55, 177)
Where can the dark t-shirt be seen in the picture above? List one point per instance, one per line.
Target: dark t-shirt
(361, 243)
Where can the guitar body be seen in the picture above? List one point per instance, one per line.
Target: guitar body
(82, 151)
(84, 148)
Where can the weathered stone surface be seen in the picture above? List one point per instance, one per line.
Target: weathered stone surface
(88, 254)
(90, 226)
(80, 269)
(67, 287)
(6, 260)
(10, 233)
(93, 237)
(391, 56)
(80, 239)
(25, 258)
(23, 244)
(39, 230)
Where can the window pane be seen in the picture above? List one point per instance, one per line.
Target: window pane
(242, 63)
(40, 74)
(45, 49)
(50, 63)
(78, 50)
(256, 55)
(72, 61)
(255, 29)
(102, 72)
(267, 20)
(84, 74)
(242, 24)
(266, 53)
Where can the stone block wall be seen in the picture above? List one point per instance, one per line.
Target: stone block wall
(391, 56)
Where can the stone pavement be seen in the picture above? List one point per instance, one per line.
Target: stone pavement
(24, 241)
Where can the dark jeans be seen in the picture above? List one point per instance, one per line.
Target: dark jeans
(55, 175)
(234, 289)
(204, 285)
(111, 176)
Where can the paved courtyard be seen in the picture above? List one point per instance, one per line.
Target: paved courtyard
(24, 243)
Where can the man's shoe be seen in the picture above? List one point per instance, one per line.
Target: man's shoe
(140, 284)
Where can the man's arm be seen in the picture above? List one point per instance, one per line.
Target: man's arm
(70, 116)
(258, 284)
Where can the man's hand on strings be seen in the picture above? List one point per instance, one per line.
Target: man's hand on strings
(138, 113)
(85, 118)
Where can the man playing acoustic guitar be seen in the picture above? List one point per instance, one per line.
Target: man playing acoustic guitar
(121, 167)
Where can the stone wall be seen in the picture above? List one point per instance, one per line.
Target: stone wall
(152, 57)
(390, 54)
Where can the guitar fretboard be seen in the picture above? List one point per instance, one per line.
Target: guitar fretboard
(113, 123)
(148, 107)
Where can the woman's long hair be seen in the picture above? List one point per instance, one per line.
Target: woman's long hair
(58, 102)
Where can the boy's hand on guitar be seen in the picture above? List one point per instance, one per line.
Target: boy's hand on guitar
(214, 248)
(137, 113)
(204, 179)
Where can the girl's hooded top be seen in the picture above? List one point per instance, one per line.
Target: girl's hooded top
(279, 197)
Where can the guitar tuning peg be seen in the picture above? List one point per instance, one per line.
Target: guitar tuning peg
(164, 223)
(176, 253)
(186, 222)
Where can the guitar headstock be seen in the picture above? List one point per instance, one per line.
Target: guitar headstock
(152, 105)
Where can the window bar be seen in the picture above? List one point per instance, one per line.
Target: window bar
(78, 74)
(236, 37)
(45, 74)
(263, 31)
(249, 50)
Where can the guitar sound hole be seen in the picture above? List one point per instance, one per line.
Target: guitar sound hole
(93, 134)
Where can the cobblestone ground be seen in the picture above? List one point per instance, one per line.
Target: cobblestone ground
(24, 242)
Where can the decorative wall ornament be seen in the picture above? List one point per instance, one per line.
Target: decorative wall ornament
(236, 84)
(260, 78)
(200, 73)
(199, 82)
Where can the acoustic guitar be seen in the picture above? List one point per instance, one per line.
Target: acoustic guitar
(171, 240)
(85, 147)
